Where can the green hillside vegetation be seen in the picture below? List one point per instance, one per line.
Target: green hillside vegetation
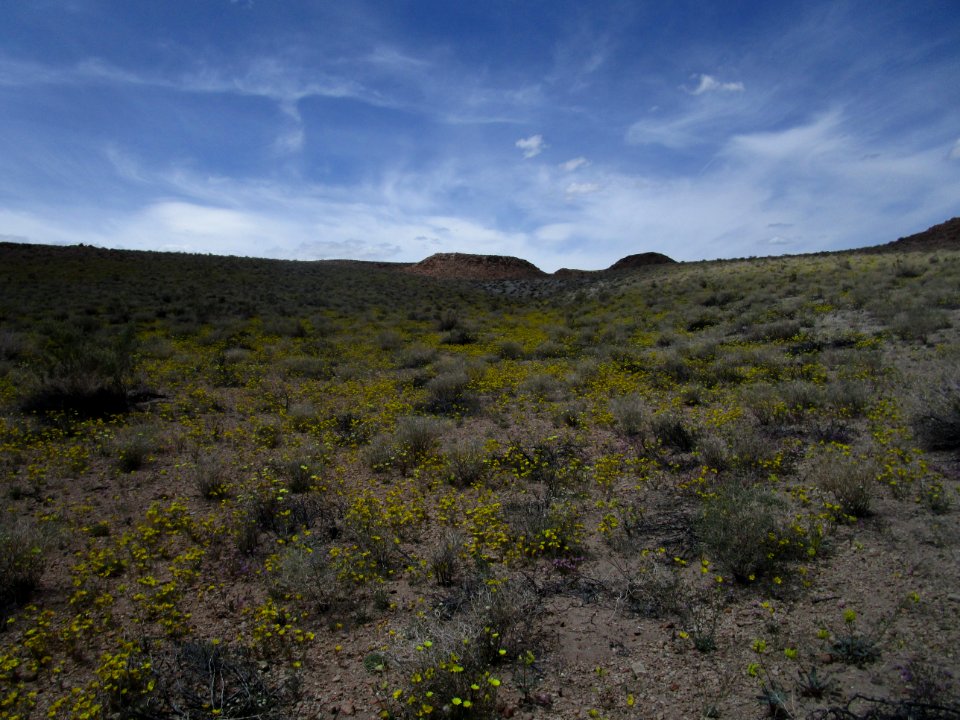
(238, 488)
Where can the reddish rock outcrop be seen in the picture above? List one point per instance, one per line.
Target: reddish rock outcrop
(465, 266)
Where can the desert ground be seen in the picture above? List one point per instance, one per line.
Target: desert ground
(240, 488)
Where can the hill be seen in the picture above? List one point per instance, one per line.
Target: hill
(465, 266)
(639, 260)
(945, 236)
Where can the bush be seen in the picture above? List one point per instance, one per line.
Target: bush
(541, 385)
(849, 478)
(134, 453)
(84, 373)
(672, 430)
(631, 414)
(447, 392)
(445, 559)
(211, 479)
(937, 425)
(414, 438)
(453, 653)
(299, 472)
(917, 324)
(417, 356)
(305, 574)
(468, 463)
(739, 528)
(207, 679)
(654, 590)
(510, 350)
(22, 561)
(458, 336)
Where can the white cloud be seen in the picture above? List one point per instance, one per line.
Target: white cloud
(531, 146)
(577, 162)
(822, 136)
(676, 133)
(708, 83)
(582, 188)
(955, 151)
(555, 232)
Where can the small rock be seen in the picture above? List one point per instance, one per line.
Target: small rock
(543, 699)
(953, 598)
(638, 668)
(347, 709)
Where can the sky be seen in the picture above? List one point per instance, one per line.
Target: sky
(567, 133)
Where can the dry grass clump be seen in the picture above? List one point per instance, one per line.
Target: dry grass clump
(468, 463)
(739, 527)
(937, 424)
(447, 393)
(455, 657)
(23, 558)
(849, 478)
(631, 414)
(202, 678)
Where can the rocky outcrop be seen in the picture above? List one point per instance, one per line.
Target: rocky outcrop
(465, 266)
(945, 236)
(640, 260)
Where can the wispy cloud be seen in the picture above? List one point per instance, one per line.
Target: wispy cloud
(582, 188)
(955, 151)
(708, 83)
(531, 146)
(575, 163)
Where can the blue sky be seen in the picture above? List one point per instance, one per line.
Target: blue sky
(567, 133)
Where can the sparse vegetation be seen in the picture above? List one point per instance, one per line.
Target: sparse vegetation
(270, 489)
